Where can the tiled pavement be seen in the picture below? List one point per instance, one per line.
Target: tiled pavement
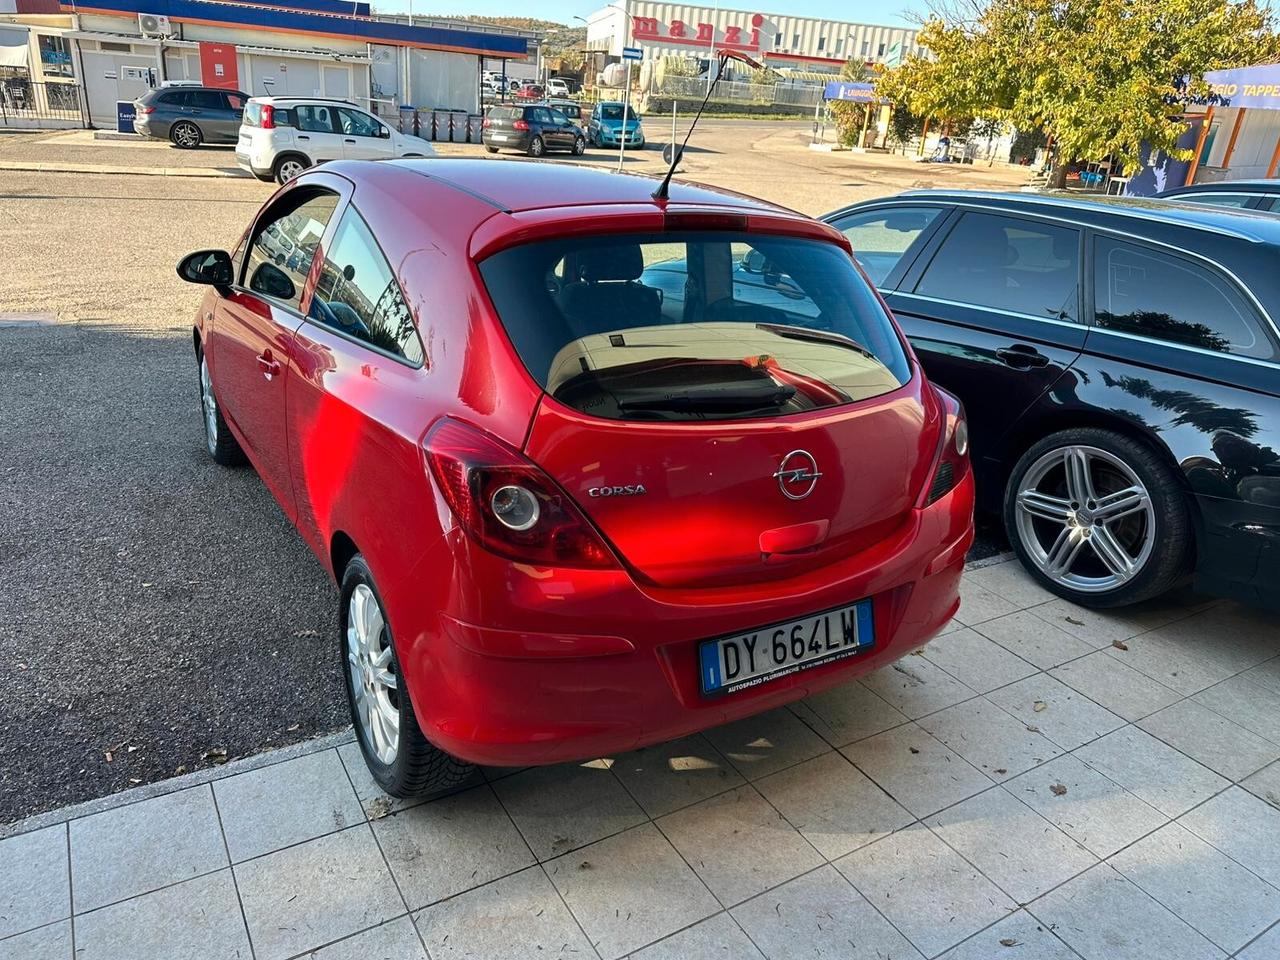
(1041, 782)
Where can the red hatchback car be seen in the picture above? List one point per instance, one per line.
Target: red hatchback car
(593, 470)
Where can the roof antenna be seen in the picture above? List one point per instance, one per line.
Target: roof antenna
(664, 187)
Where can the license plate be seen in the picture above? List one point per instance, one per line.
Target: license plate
(498, 136)
(748, 659)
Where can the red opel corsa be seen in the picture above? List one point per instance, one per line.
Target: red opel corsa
(593, 470)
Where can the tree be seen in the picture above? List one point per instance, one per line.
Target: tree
(1099, 76)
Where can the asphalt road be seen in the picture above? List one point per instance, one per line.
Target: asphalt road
(160, 613)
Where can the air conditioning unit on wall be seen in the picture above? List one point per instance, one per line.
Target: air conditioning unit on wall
(154, 25)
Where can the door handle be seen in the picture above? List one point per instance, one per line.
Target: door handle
(303, 137)
(1022, 357)
(348, 140)
(270, 368)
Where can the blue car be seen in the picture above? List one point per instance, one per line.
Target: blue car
(605, 126)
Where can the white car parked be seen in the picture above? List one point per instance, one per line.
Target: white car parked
(557, 87)
(282, 136)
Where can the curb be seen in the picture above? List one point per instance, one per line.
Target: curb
(95, 168)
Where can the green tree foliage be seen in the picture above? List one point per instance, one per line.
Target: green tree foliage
(1100, 76)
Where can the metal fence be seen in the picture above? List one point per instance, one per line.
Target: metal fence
(24, 103)
(736, 91)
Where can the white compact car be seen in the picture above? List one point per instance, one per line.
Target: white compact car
(557, 88)
(282, 136)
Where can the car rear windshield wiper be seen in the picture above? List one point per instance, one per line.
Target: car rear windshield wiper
(734, 399)
(816, 336)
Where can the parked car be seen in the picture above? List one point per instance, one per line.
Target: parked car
(1249, 194)
(189, 116)
(570, 108)
(531, 91)
(1118, 364)
(557, 87)
(282, 136)
(567, 517)
(605, 127)
(534, 129)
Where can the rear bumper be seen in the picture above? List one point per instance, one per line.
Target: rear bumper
(535, 666)
(152, 129)
(513, 141)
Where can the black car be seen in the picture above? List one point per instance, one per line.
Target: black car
(1120, 364)
(190, 116)
(534, 129)
(1246, 194)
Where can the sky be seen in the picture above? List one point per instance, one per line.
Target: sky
(887, 12)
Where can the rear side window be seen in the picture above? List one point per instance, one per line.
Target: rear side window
(1214, 199)
(1166, 297)
(698, 326)
(252, 114)
(881, 237)
(1007, 263)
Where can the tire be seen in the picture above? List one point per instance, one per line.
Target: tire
(405, 765)
(579, 146)
(218, 438)
(1077, 497)
(185, 135)
(536, 147)
(488, 149)
(288, 166)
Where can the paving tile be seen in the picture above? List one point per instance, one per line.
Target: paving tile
(1266, 674)
(1179, 665)
(978, 604)
(766, 743)
(1254, 706)
(1213, 893)
(1215, 741)
(925, 888)
(1065, 716)
(998, 744)
(1099, 628)
(143, 846)
(1116, 686)
(671, 775)
(1018, 936)
(916, 769)
(564, 807)
(52, 942)
(1096, 812)
(738, 844)
(820, 915)
(1151, 769)
(1011, 844)
(286, 803)
(1232, 636)
(630, 890)
(34, 881)
(194, 920)
(517, 917)
(715, 938)
(916, 687)
(847, 713)
(303, 897)
(375, 803)
(833, 804)
(1103, 916)
(450, 845)
(395, 940)
(1243, 827)
(1033, 639)
(1010, 581)
(975, 661)
(1265, 784)
(1266, 947)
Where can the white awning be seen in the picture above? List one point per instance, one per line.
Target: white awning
(13, 48)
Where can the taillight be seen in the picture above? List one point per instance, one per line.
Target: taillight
(485, 124)
(952, 458)
(507, 504)
(268, 121)
(142, 109)
(521, 124)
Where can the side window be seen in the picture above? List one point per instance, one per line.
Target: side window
(284, 244)
(881, 237)
(176, 99)
(206, 100)
(313, 118)
(234, 101)
(558, 117)
(1214, 199)
(358, 294)
(1162, 296)
(1006, 263)
(542, 115)
(357, 124)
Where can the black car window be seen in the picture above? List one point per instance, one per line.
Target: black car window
(1215, 199)
(357, 293)
(357, 124)
(284, 244)
(558, 117)
(542, 115)
(1007, 263)
(880, 237)
(1167, 297)
(175, 98)
(205, 100)
(314, 118)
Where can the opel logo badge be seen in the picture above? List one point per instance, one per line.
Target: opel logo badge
(797, 474)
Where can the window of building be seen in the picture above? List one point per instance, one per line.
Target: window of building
(55, 56)
(840, 45)
(795, 41)
(866, 47)
(880, 51)
(822, 43)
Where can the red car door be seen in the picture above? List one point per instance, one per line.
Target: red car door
(251, 344)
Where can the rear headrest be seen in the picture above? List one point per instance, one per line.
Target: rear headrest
(623, 262)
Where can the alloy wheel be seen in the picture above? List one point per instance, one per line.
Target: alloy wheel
(375, 689)
(1085, 518)
(290, 169)
(579, 146)
(535, 148)
(210, 407)
(186, 135)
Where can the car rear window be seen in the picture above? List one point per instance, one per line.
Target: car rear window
(506, 113)
(280, 116)
(697, 326)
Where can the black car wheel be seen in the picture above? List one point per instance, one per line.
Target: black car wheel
(536, 147)
(489, 149)
(288, 166)
(218, 439)
(1098, 518)
(579, 146)
(185, 135)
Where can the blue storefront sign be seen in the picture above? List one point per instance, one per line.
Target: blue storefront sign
(1246, 86)
(124, 116)
(846, 90)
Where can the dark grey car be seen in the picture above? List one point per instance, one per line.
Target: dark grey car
(190, 116)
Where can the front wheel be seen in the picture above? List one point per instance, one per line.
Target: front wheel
(536, 147)
(185, 135)
(579, 146)
(218, 439)
(1098, 518)
(398, 756)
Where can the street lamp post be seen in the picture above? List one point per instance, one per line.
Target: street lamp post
(626, 84)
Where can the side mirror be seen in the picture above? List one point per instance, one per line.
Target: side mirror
(210, 267)
(384, 133)
(272, 281)
(753, 262)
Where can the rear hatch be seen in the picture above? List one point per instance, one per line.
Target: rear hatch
(724, 406)
(500, 123)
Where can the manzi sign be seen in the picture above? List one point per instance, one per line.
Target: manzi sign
(699, 34)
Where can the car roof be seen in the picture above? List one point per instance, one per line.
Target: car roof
(1111, 211)
(275, 100)
(1262, 186)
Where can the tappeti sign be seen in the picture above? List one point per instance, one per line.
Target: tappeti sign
(1246, 86)
(218, 65)
(699, 34)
